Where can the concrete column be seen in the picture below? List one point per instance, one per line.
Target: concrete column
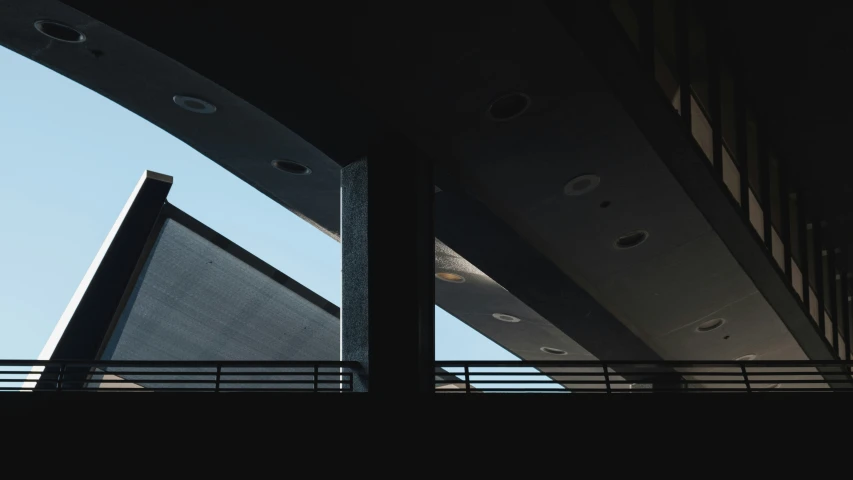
(387, 268)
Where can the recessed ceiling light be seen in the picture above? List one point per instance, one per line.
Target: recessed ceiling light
(194, 104)
(746, 358)
(506, 318)
(553, 351)
(60, 31)
(508, 106)
(292, 168)
(450, 277)
(631, 240)
(711, 324)
(581, 185)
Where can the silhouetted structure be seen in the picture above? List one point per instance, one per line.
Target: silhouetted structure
(598, 180)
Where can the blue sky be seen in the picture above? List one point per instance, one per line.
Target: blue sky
(70, 160)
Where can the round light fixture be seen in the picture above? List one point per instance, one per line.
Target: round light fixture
(60, 31)
(193, 104)
(746, 358)
(631, 240)
(508, 106)
(553, 351)
(450, 277)
(709, 325)
(292, 168)
(506, 318)
(581, 185)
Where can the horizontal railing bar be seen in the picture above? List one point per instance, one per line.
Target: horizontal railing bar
(441, 364)
(173, 363)
(665, 363)
(204, 375)
(513, 382)
(650, 374)
(657, 390)
(628, 382)
(197, 381)
(163, 380)
(193, 374)
(540, 374)
(334, 376)
(292, 374)
(209, 390)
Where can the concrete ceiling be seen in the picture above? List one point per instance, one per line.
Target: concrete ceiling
(526, 248)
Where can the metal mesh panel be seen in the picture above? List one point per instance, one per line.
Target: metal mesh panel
(195, 301)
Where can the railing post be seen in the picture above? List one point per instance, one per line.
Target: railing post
(467, 380)
(218, 375)
(316, 377)
(745, 378)
(606, 377)
(59, 378)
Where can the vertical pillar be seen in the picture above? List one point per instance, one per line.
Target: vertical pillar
(834, 283)
(833, 278)
(845, 306)
(818, 273)
(740, 99)
(682, 57)
(785, 202)
(387, 268)
(803, 234)
(765, 199)
(715, 85)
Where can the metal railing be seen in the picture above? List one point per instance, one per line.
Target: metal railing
(642, 377)
(176, 376)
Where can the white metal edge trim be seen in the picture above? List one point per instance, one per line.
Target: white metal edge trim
(90, 273)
